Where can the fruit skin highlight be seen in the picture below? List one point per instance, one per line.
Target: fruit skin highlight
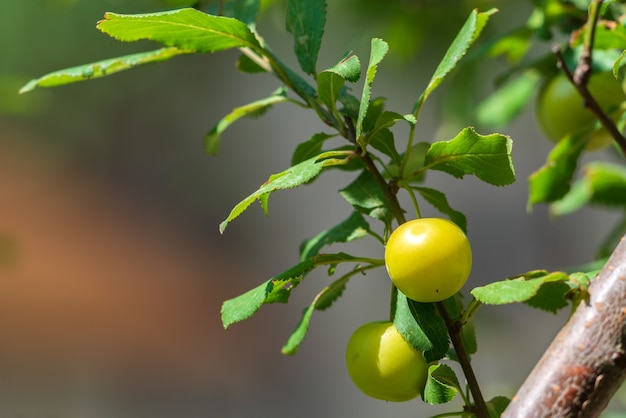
(560, 109)
(383, 365)
(428, 259)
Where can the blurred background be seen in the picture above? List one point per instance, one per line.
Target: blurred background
(112, 269)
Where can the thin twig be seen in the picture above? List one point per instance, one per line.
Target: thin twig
(454, 330)
(580, 77)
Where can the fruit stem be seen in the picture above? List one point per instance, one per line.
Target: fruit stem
(454, 330)
(393, 304)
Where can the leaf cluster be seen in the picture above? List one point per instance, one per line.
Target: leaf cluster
(382, 163)
(567, 27)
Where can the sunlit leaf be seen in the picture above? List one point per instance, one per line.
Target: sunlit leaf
(187, 29)
(350, 229)
(488, 157)
(442, 385)
(379, 49)
(552, 181)
(330, 82)
(542, 290)
(276, 289)
(292, 177)
(471, 29)
(212, 138)
(422, 326)
(101, 68)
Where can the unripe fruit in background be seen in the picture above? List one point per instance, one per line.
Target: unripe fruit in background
(428, 259)
(383, 365)
(561, 110)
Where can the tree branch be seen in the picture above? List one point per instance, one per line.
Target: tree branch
(586, 363)
(454, 330)
(580, 76)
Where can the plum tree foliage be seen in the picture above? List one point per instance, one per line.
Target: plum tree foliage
(358, 136)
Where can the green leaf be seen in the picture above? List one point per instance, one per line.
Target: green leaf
(497, 405)
(387, 119)
(310, 148)
(348, 68)
(354, 227)
(101, 68)
(379, 49)
(384, 142)
(366, 197)
(607, 36)
(442, 385)
(330, 82)
(468, 335)
(350, 105)
(440, 202)
(422, 326)
(508, 101)
(521, 289)
(552, 181)
(325, 298)
(329, 87)
(471, 29)
(413, 163)
(212, 138)
(550, 297)
(375, 109)
(513, 45)
(330, 294)
(306, 20)
(576, 198)
(276, 289)
(488, 157)
(322, 301)
(297, 336)
(187, 29)
(246, 65)
(293, 80)
(292, 177)
(379, 134)
(244, 10)
(601, 183)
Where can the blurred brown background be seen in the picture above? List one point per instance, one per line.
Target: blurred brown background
(112, 270)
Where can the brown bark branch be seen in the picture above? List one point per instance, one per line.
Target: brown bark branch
(586, 363)
(454, 330)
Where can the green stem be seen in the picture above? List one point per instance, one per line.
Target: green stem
(469, 311)
(407, 153)
(392, 305)
(416, 206)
